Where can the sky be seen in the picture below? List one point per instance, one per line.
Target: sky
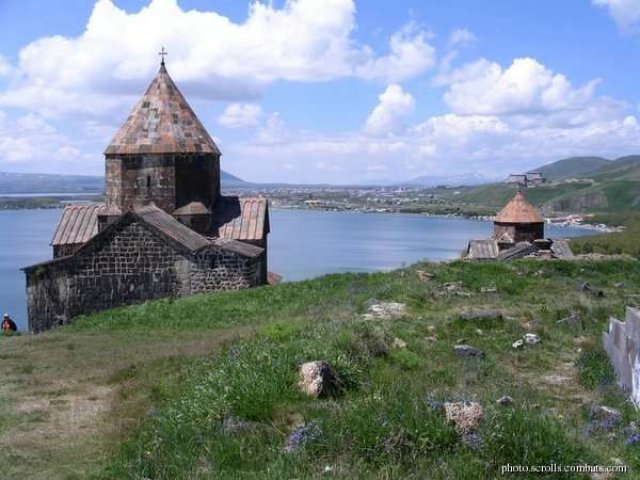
(328, 91)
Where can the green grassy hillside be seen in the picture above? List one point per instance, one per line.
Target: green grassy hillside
(611, 188)
(571, 167)
(625, 242)
(547, 197)
(628, 167)
(205, 387)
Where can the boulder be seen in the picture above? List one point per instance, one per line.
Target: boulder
(481, 315)
(531, 338)
(385, 311)
(398, 344)
(467, 351)
(505, 401)
(424, 276)
(465, 415)
(605, 414)
(318, 379)
(301, 436)
(452, 287)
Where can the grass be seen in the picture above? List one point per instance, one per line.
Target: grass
(624, 242)
(172, 378)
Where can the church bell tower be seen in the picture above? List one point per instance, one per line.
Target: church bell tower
(162, 154)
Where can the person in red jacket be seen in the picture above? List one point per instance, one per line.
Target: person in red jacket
(8, 325)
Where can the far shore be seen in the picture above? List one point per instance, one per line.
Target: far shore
(42, 201)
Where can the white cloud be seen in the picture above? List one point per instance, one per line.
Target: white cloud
(273, 131)
(212, 56)
(626, 13)
(387, 117)
(501, 120)
(240, 115)
(410, 56)
(461, 37)
(526, 87)
(29, 143)
(458, 40)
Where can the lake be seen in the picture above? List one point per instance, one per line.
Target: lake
(303, 244)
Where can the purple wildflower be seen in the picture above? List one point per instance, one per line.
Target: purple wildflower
(302, 436)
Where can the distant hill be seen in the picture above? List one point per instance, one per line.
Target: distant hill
(571, 167)
(38, 183)
(449, 181)
(628, 166)
(229, 180)
(11, 183)
(614, 186)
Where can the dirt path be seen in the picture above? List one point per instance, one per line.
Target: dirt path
(66, 399)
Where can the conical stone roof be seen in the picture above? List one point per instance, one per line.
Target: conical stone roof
(519, 210)
(162, 122)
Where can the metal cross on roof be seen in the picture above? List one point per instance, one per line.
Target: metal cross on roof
(163, 53)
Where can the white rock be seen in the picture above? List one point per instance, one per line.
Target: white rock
(465, 415)
(398, 343)
(385, 311)
(531, 338)
(517, 344)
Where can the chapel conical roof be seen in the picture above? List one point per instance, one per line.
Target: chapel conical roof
(519, 210)
(162, 122)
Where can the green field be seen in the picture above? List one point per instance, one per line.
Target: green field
(205, 387)
(625, 242)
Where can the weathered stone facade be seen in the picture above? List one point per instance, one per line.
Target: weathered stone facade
(523, 232)
(165, 230)
(171, 181)
(129, 263)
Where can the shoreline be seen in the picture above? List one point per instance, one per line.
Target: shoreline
(480, 218)
(10, 203)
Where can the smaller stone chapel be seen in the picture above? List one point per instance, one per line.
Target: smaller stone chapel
(164, 229)
(518, 232)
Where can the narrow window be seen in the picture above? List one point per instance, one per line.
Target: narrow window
(148, 183)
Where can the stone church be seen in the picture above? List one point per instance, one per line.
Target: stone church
(518, 232)
(164, 229)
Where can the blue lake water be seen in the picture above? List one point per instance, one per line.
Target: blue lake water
(303, 244)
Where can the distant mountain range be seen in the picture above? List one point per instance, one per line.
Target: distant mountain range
(451, 180)
(18, 183)
(577, 184)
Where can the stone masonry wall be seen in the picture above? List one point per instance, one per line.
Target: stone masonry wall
(217, 269)
(622, 344)
(128, 264)
(139, 179)
(519, 233)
